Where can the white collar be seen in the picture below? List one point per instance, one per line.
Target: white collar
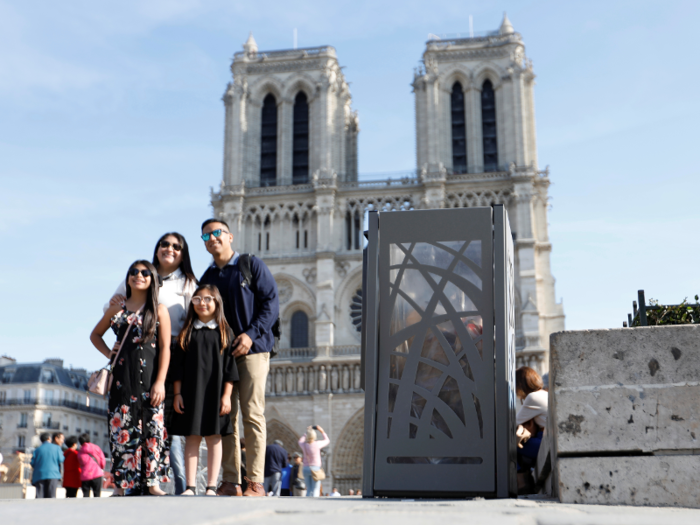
(176, 275)
(212, 325)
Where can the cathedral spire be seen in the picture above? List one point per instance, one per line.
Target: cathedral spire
(250, 46)
(506, 26)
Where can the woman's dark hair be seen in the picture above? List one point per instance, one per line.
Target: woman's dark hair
(150, 309)
(84, 438)
(527, 380)
(226, 332)
(185, 263)
(71, 440)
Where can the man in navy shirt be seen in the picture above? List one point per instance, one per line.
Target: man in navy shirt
(275, 462)
(250, 309)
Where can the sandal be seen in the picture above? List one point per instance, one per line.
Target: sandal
(193, 489)
(213, 489)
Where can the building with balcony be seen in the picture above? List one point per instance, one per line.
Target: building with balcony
(291, 195)
(46, 397)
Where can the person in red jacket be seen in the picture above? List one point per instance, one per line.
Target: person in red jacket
(92, 461)
(71, 468)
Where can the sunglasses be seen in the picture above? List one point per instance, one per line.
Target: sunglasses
(135, 271)
(207, 299)
(215, 233)
(176, 246)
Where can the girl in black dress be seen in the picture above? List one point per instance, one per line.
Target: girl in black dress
(137, 435)
(204, 371)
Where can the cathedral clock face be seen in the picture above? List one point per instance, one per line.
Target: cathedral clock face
(356, 310)
(284, 290)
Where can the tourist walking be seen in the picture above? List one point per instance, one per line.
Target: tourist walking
(532, 415)
(46, 464)
(297, 476)
(311, 447)
(136, 429)
(287, 478)
(275, 462)
(251, 308)
(204, 372)
(92, 462)
(71, 468)
(171, 257)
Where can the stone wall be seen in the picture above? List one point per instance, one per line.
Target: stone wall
(625, 415)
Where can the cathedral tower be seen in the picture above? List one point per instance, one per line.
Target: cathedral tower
(475, 126)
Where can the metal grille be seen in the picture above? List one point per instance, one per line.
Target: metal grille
(488, 126)
(459, 130)
(268, 142)
(300, 165)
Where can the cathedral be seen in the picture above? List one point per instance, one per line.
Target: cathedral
(291, 195)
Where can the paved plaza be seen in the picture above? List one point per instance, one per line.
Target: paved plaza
(330, 511)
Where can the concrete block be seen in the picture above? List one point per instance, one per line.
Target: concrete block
(626, 356)
(666, 481)
(627, 418)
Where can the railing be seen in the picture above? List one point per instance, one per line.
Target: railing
(50, 426)
(640, 317)
(304, 51)
(52, 402)
(320, 377)
(312, 352)
(456, 39)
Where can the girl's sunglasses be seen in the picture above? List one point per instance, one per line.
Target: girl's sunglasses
(135, 271)
(176, 246)
(198, 299)
(215, 233)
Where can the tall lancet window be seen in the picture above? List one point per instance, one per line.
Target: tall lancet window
(268, 142)
(459, 130)
(300, 161)
(488, 126)
(300, 330)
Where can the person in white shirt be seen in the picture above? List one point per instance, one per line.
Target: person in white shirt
(171, 257)
(533, 417)
(335, 493)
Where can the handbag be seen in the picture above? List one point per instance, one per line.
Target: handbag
(101, 380)
(299, 484)
(318, 475)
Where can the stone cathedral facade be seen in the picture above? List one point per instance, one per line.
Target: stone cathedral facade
(291, 195)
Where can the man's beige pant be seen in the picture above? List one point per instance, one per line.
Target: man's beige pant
(250, 392)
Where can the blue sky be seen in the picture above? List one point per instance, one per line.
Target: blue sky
(111, 131)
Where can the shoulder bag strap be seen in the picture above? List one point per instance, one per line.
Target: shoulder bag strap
(116, 357)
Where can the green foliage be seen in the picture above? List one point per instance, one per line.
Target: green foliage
(659, 314)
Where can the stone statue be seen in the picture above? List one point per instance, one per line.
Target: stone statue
(300, 380)
(290, 380)
(322, 379)
(334, 379)
(346, 379)
(279, 385)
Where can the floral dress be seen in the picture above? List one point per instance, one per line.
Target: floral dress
(137, 435)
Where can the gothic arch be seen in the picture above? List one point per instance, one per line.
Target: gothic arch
(300, 82)
(490, 71)
(294, 306)
(457, 73)
(279, 430)
(263, 87)
(348, 453)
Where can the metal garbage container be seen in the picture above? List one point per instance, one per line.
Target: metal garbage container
(438, 343)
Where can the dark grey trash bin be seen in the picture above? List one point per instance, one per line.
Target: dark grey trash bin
(438, 348)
